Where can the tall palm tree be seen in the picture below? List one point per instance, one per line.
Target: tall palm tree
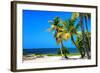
(80, 43)
(81, 15)
(59, 31)
(73, 30)
(87, 16)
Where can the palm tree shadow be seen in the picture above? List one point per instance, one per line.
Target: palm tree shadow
(74, 59)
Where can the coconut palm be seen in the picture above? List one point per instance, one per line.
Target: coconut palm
(73, 30)
(59, 34)
(87, 16)
(84, 47)
(81, 15)
(80, 45)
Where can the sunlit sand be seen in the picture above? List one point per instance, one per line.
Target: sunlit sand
(51, 59)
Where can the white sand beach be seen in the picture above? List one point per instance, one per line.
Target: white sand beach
(51, 59)
(55, 61)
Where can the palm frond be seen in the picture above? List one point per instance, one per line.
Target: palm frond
(77, 26)
(74, 15)
(66, 25)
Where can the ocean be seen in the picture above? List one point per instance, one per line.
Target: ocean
(46, 51)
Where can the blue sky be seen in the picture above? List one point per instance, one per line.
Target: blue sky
(35, 25)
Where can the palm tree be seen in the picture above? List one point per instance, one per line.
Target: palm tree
(80, 43)
(73, 30)
(72, 27)
(59, 32)
(81, 15)
(87, 16)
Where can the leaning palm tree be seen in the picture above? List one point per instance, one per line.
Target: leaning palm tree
(73, 30)
(81, 15)
(84, 36)
(87, 16)
(80, 43)
(59, 32)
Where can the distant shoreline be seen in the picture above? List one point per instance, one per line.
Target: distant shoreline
(47, 51)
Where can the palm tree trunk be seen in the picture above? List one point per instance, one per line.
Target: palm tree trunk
(84, 36)
(86, 19)
(63, 51)
(81, 52)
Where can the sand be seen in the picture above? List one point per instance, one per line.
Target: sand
(51, 59)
